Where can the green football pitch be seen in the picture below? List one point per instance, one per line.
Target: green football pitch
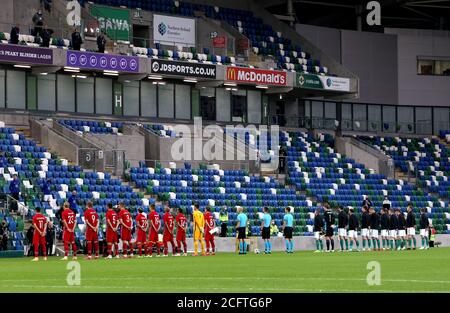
(303, 271)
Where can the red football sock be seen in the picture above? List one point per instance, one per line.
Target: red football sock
(109, 248)
(124, 248)
(66, 248)
(131, 248)
(74, 249)
(213, 246)
(96, 247)
(89, 248)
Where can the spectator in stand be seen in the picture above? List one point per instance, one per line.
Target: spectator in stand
(46, 190)
(223, 218)
(73, 202)
(29, 236)
(46, 37)
(38, 21)
(14, 189)
(14, 35)
(4, 232)
(49, 238)
(366, 202)
(101, 42)
(77, 41)
(386, 203)
(47, 5)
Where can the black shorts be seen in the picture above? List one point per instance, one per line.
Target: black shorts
(241, 233)
(329, 232)
(287, 232)
(266, 233)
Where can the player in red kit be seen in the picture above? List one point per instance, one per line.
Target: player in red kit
(210, 224)
(155, 225)
(40, 229)
(70, 222)
(141, 227)
(169, 226)
(112, 223)
(92, 223)
(181, 231)
(126, 222)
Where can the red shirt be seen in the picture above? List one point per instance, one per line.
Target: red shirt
(209, 221)
(69, 217)
(142, 221)
(113, 219)
(181, 223)
(91, 216)
(39, 221)
(156, 221)
(126, 218)
(169, 224)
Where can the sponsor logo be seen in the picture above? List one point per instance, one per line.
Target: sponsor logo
(155, 67)
(264, 77)
(162, 29)
(329, 82)
(184, 69)
(301, 80)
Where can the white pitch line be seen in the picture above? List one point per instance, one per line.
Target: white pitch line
(234, 278)
(74, 288)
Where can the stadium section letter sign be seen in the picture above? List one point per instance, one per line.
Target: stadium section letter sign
(186, 69)
(256, 76)
(172, 29)
(116, 22)
(24, 54)
(322, 82)
(100, 61)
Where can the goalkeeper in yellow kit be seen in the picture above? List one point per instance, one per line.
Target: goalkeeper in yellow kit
(199, 229)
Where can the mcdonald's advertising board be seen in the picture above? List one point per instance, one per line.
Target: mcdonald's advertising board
(256, 76)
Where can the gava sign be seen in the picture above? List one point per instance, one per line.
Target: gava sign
(116, 22)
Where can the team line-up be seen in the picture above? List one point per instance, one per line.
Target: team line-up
(391, 226)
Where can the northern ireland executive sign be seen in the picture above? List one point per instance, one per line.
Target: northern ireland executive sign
(322, 82)
(186, 69)
(100, 61)
(256, 76)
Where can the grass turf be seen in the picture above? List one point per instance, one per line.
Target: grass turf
(303, 271)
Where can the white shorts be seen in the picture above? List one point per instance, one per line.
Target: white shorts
(353, 234)
(364, 232)
(401, 233)
(393, 233)
(384, 233)
(317, 235)
(424, 232)
(374, 233)
(411, 231)
(342, 232)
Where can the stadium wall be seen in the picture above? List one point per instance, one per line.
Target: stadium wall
(371, 56)
(414, 89)
(387, 63)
